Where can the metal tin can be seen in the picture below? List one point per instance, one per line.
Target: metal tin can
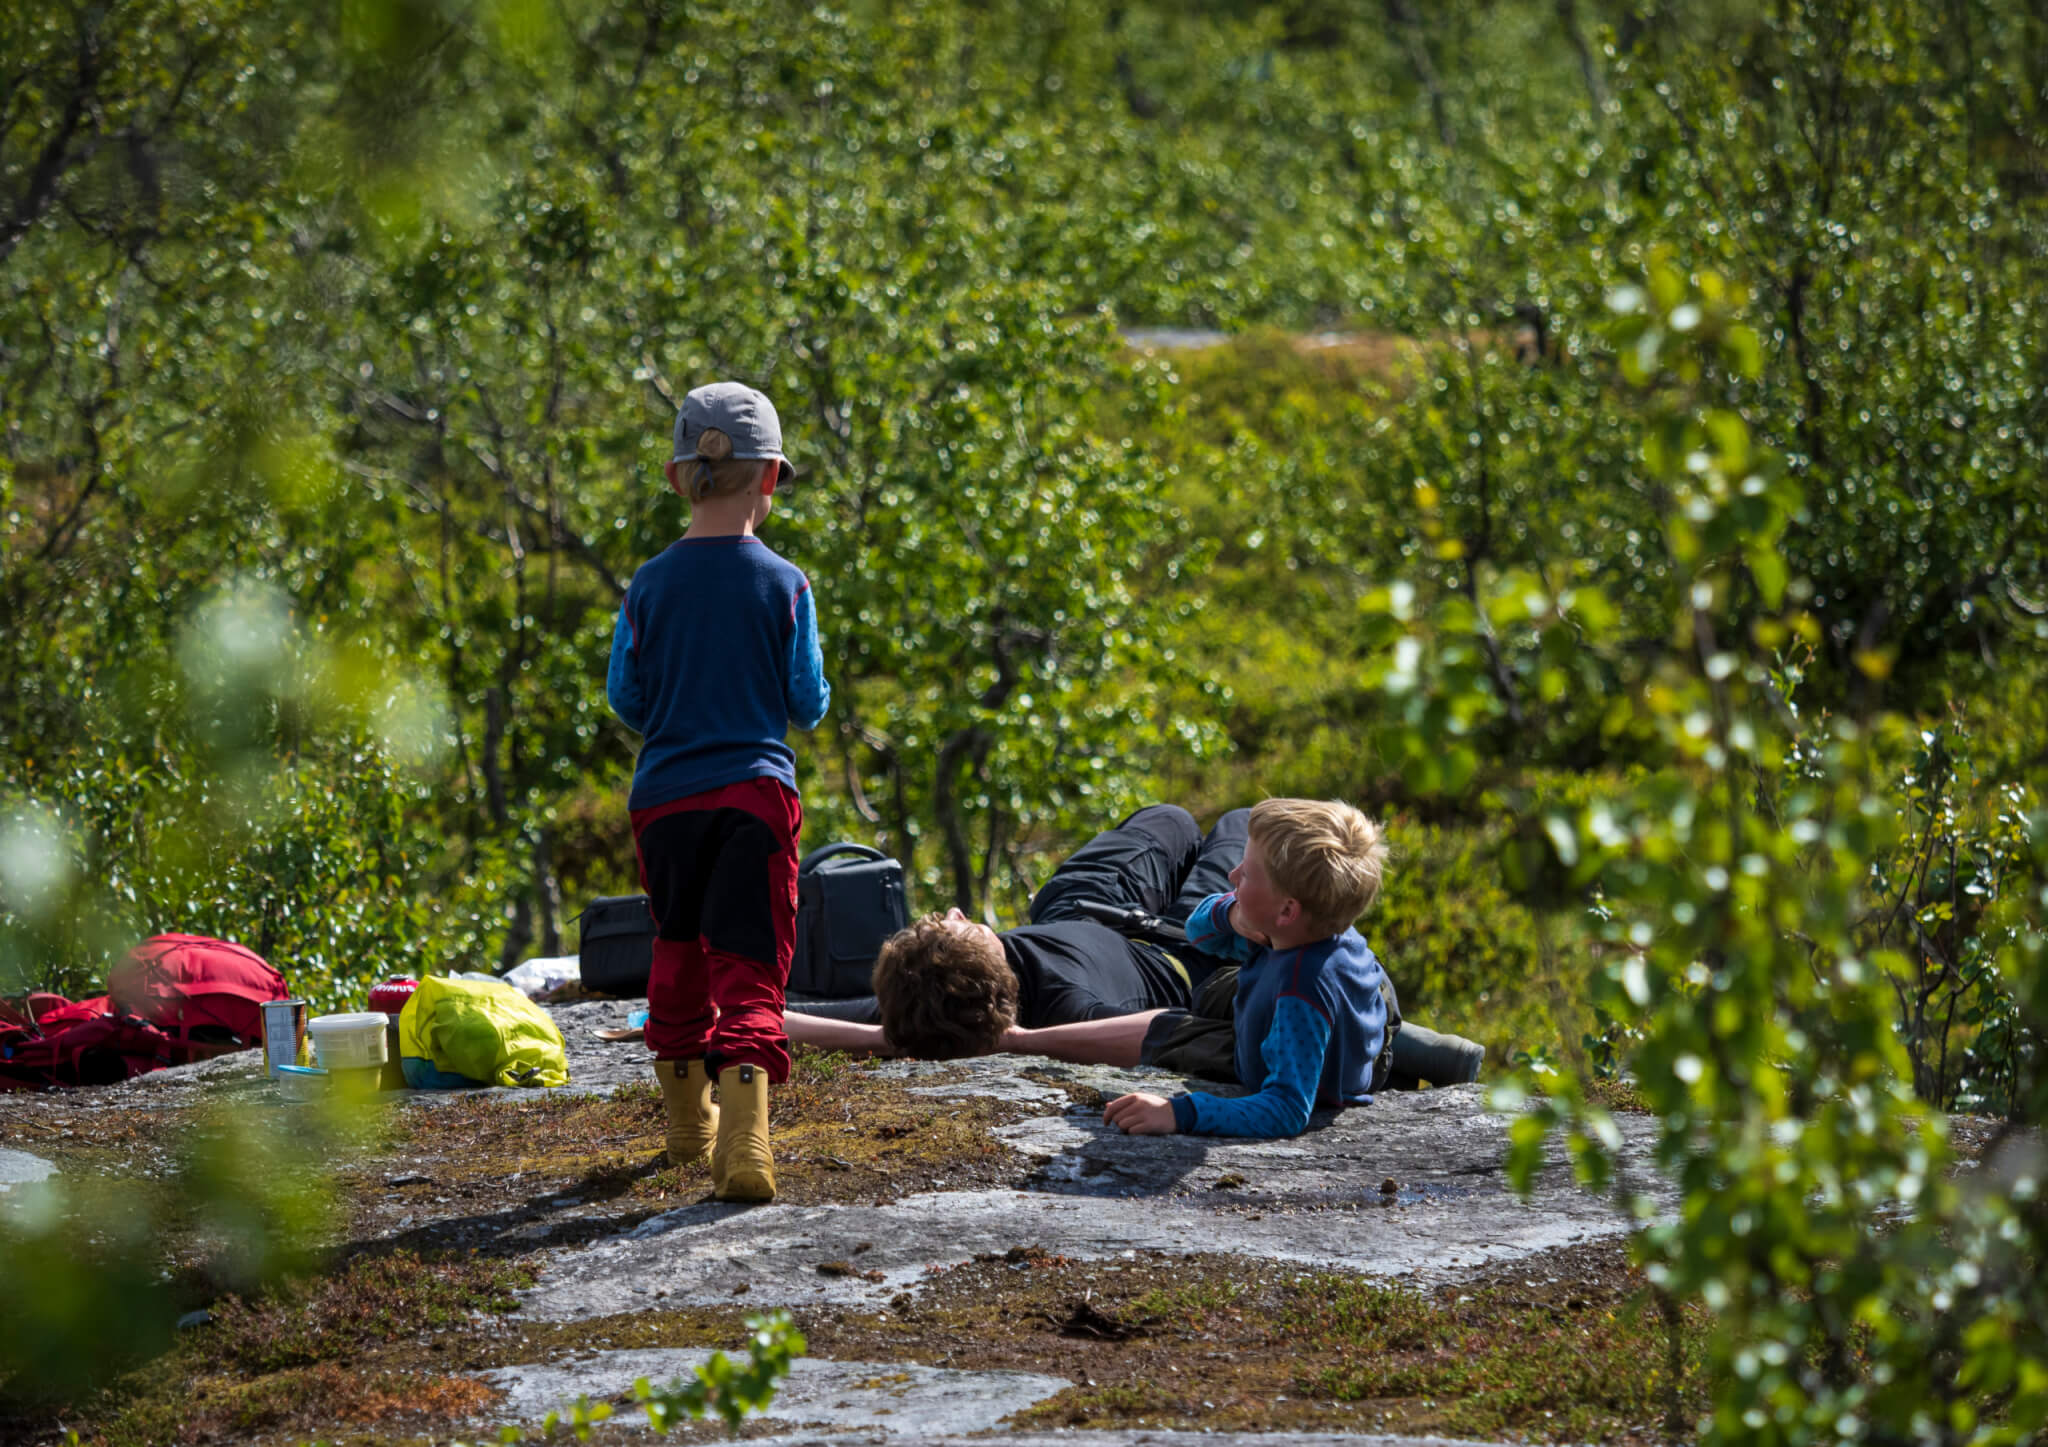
(284, 1034)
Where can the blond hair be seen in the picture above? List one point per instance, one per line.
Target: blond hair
(715, 472)
(1323, 853)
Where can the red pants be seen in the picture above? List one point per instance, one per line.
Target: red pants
(720, 874)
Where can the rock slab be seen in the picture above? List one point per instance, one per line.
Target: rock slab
(19, 1168)
(1410, 1186)
(882, 1398)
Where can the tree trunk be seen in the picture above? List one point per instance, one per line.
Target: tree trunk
(1401, 15)
(547, 891)
(968, 747)
(1589, 69)
(494, 772)
(519, 935)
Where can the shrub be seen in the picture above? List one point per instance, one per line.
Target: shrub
(1857, 1291)
(326, 866)
(1466, 955)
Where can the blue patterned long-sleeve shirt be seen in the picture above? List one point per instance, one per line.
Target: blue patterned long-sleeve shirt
(1310, 1023)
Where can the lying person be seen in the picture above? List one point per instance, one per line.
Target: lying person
(1067, 987)
(1311, 1009)
(948, 987)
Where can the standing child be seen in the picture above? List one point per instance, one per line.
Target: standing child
(1309, 1012)
(714, 656)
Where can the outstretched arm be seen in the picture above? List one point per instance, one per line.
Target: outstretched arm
(836, 1034)
(1118, 1040)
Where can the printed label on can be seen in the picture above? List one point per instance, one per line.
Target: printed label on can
(284, 1034)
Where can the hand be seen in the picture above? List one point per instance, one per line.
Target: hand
(1140, 1114)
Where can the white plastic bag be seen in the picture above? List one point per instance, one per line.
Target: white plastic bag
(534, 978)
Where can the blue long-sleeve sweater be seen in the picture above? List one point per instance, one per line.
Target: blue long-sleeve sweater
(1310, 1023)
(714, 655)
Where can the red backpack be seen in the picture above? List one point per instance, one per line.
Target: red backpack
(26, 1010)
(102, 1051)
(204, 994)
(65, 1014)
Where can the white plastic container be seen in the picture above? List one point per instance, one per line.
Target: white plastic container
(348, 1042)
(301, 1082)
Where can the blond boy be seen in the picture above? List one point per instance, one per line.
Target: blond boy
(1310, 1006)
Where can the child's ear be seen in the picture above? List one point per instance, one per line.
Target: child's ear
(672, 470)
(771, 475)
(1289, 914)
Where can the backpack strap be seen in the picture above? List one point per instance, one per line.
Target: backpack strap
(824, 852)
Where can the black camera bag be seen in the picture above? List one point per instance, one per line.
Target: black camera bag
(615, 953)
(849, 898)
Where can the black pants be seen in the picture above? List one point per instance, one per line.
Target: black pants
(1202, 1039)
(1158, 860)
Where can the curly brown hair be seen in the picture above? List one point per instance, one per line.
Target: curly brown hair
(945, 993)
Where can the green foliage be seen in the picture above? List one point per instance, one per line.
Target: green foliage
(721, 1387)
(74, 1319)
(1470, 954)
(1856, 1289)
(265, 789)
(89, 1295)
(405, 366)
(1938, 926)
(315, 866)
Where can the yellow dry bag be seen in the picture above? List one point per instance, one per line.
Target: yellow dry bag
(482, 1029)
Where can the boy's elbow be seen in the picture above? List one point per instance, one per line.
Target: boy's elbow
(1201, 928)
(1288, 1110)
(1283, 1114)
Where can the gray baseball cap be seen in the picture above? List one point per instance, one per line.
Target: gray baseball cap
(742, 414)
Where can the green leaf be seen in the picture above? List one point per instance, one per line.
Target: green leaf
(1767, 566)
(1742, 351)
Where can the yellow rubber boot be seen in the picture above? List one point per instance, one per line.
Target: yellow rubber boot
(686, 1099)
(741, 1167)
